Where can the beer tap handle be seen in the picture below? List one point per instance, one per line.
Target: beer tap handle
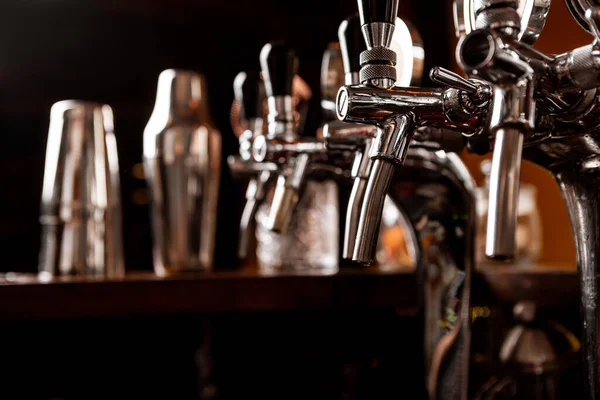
(248, 89)
(377, 12)
(352, 44)
(377, 20)
(446, 77)
(278, 64)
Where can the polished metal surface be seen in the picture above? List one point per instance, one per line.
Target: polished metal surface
(182, 156)
(255, 195)
(481, 53)
(578, 9)
(575, 162)
(532, 15)
(281, 117)
(81, 201)
(436, 192)
(504, 194)
(561, 93)
(580, 192)
(378, 34)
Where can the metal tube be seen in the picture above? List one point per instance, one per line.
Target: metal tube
(582, 197)
(255, 194)
(371, 209)
(504, 194)
(287, 195)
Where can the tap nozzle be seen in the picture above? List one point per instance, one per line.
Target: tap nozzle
(287, 194)
(485, 53)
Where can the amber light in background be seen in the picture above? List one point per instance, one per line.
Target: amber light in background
(561, 33)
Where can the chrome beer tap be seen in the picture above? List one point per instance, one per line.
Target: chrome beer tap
(296, 156)
(432, 191)
(397, 113)
(249, 93)
(279, 65)
(564, 89)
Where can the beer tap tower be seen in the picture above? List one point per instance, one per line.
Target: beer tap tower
(545, 106)
(406, 127)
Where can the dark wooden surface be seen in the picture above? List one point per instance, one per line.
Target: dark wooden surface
(144, 293)
(141, 293)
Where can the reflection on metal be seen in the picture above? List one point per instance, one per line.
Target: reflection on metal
(81, 205)
(182, 156)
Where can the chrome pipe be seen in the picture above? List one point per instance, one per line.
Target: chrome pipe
(504, 194)
(579, 188)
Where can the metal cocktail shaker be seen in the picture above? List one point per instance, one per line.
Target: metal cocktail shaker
(182, 162)
(81, 206)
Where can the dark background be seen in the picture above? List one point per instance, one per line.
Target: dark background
(112, 51)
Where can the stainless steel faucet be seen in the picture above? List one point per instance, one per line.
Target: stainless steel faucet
(296, 157)
(546, 105)
(390, 125)
(81, 199)
(397, 113)
(182, 162)
(250, 94)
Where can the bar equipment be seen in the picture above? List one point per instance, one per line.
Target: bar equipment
(290, 232)
(563, 91)
(529, 236)
(182, 161)
(250, 94)
(81, 204)
(389, 126)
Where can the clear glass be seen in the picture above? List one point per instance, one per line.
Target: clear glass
(311, 243)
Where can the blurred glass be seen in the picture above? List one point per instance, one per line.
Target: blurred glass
(529, 238)
(311, 243)
(396, 247)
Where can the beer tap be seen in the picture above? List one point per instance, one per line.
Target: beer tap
(397, 113)
(279, 64)
(249, 93)
(432, 192)
(563, 90)
(296, 156)
(484, 53)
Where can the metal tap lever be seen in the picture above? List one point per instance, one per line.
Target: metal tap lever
(446, 77)
(377, 19)
(279, 64)
(249, 92)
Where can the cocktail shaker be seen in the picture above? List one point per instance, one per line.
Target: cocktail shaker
(81, 206)
(182, 163)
